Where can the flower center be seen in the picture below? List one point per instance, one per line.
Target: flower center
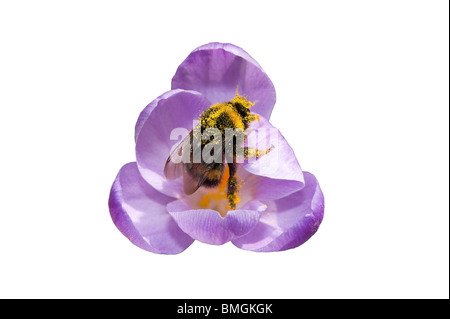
(217, 198)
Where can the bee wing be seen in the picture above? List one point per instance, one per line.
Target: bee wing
(175, 167)
(194, 174)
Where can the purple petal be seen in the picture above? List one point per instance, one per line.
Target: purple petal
(148, 110)
(275, 174)
(288, 222)
(174, 112)
(139, 212)
(209, 227)
(218, 69)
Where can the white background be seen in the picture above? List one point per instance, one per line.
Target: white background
(362, 97)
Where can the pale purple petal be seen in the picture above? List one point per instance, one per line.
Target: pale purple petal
(218, 69)
(173, 114)
(288, 222)
(207, 226)
(143, 116)
(139, 212)
(275, 174)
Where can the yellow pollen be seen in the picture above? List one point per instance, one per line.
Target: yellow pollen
(216, 115)
(242, 100)
(217, 198)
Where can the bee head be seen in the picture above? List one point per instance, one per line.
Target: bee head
(241, 105)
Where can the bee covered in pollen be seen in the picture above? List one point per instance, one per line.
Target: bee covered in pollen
(211, 151)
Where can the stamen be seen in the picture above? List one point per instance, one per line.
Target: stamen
(220, 198)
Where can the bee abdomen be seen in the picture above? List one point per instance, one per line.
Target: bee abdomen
(211, 183)
(210, 176)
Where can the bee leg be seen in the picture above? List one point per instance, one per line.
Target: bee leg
(233, 186)
(250, 152)
(252, 117)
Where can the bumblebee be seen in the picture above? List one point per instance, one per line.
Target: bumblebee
(220, 119)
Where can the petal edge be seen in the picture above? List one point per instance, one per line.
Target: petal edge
(289, 222)
(138, 211)
(218, 69)
(207, 226)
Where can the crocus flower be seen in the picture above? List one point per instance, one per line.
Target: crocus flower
(280, 206)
